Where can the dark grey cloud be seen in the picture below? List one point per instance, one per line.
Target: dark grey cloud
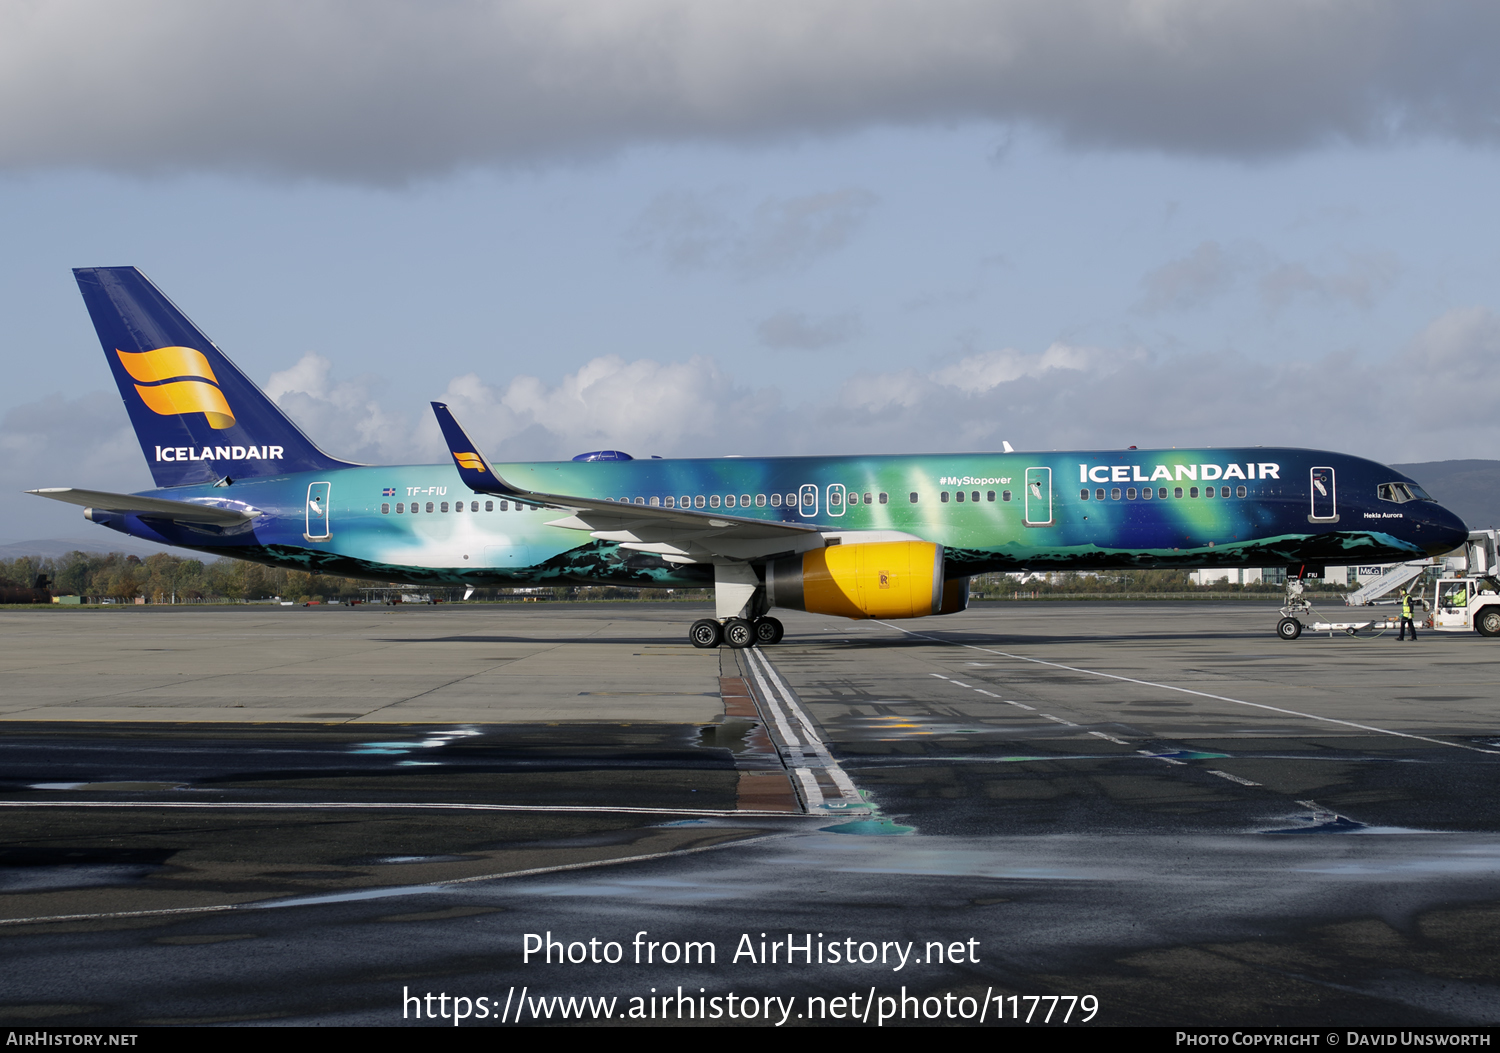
(796, 331)
(387, 90)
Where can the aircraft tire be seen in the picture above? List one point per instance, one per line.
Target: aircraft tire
(768, 631)
(1487, 622)
(1289, 628)
(706, 633)
(739, 634)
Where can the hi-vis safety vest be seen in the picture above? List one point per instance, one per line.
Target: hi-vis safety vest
(1406, 606)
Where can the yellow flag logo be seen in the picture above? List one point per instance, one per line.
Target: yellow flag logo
(164, 388)
(469, 460)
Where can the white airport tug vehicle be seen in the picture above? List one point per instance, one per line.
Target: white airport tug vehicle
(1459, 602)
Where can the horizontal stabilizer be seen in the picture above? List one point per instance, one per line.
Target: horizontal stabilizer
(125, 504)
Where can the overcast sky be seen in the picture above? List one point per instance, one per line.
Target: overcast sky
(689, 228)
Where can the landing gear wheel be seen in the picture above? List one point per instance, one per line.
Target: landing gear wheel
(1487, 622)
(768, 631)
(1289, 628)
(706, 633)
(739, 633)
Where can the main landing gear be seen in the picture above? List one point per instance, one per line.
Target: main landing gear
(738, 633)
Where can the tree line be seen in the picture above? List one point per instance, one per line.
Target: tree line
(162, 578)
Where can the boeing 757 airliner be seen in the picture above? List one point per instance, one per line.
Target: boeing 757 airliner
(860, 537)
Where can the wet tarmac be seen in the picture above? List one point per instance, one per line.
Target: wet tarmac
(1117, 814)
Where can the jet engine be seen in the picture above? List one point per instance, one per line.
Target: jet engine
(881, 579)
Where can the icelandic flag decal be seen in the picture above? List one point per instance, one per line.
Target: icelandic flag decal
(389, 491)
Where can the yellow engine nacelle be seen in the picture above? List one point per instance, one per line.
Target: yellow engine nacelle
(879, 579)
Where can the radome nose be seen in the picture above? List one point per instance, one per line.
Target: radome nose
(1445, 532)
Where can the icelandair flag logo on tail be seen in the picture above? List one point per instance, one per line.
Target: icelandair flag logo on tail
(172, 381)
(469, 460)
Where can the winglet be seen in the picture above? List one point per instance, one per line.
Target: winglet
(473, 469)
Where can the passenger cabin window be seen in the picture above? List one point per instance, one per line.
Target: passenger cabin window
(713, 501)
(385, 510)
(729, 501)
(1083, 495)
(669, 502)
(489, 506)
(913, 497)
(429, 506)
(775, 500)
(698, 501)
(882, 498)
(744, 500)
(853, 498)
(974, 496)
(1193, 491)
(444, 507)
(1240, 491)
(1146, 494)
(655, 502)
(1114, 493)
(944, 498)
(989, 495)
(760, 500)
(1208, 491)
(1130, 493)
(1177, 491)
(1005, 495)
(1099, 494)
(400, 507)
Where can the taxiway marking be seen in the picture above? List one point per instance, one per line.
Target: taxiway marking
(1190, 691)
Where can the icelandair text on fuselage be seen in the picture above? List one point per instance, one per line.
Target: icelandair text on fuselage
(219, 453)
(1132, 473)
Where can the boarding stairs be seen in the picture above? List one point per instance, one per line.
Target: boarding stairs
(1397, 576)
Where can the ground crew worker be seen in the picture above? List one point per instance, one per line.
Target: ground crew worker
(1406, 622)
(1460, 597)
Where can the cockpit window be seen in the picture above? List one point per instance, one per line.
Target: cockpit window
(1400, 493)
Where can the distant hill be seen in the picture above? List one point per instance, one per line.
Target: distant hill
(1469, 488)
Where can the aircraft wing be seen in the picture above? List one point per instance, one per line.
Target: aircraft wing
(177, 511)
(683, 533)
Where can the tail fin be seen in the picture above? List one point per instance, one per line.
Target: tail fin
(197, 416)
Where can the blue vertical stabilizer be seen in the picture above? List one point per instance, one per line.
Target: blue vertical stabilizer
(199, 419)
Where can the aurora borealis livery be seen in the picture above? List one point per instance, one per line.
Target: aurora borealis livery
(854, 535)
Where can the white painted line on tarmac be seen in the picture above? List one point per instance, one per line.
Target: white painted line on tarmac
(835, 772)
(1232, 778)
(1155, 756)
(423, 806)
(777, 716)
(1109, 738)
(394, 890)
(1199, 694)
